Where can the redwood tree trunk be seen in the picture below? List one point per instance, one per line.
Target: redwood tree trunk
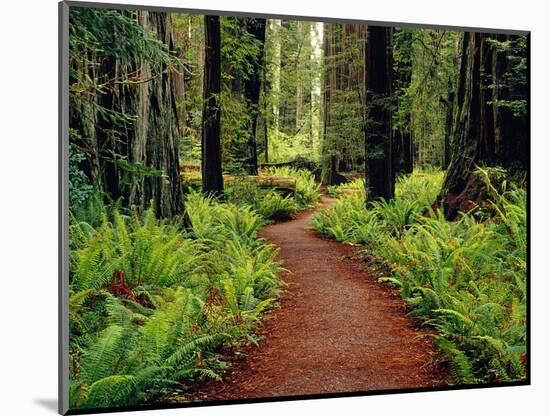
(403, 154)
(135, 161)
(256, 27)
(212, 180)
(484, 132)
(466, 128)
(157, 130)
(380, 176)
(471, 134)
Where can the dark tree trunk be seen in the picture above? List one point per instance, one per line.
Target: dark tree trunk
(136, 160)
(484, 132)
(266, 120)
(511, 131)
(449, 105)
(157, 133)
(407, 149)
(466, 125)
(403, 154)
(212, 180)
(256, 27)
(487, 132)
(380, 177)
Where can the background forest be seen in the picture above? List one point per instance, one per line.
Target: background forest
(189, 133)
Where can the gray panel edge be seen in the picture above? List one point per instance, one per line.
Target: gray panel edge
(63, 209)
(292, 17)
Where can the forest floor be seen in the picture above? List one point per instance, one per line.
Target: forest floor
(337, 328)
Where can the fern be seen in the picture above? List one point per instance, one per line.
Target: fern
(100, 359)
(465, 278)
(186, 295)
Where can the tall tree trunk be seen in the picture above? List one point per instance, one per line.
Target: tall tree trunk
(511, 130)
(136, 161)
(301, 36)
(157, 130)
(212, 180)
(449, 106)
(484, 131)
(403, 46)
(487, 133)
(328, 164)
(266, 120)
(380, 176)
(276, 81)
(256, 27)
(466, 126)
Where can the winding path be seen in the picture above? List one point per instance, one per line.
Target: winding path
(337, 330)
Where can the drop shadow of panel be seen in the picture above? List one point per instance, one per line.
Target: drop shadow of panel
(49, 404)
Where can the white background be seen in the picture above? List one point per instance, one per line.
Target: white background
(28, 208)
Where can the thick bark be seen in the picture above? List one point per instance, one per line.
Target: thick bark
(448, 130)
(466, 127)
(135, 160)
(157, 131)
(256, 27)
(484, 133)
(379, 170)
(212, 180)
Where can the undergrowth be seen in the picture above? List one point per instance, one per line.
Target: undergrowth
(466, 279)
(308, 192)
(153, 306)
(356, 185)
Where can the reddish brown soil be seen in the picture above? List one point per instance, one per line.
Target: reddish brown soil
(337, 330)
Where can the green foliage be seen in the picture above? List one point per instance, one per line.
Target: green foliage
(284, 147)
(143, 249)
(79, 187)
(269, 204)
(273, 206)
(308, 192)
(349, 221)
(186, 296)
(465, 278)
(356, 185)
(423, 105)
(344, 98)
(515, 78)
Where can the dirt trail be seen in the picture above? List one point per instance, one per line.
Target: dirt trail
(337, 330)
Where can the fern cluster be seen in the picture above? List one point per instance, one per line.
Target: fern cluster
(465, 278)
(269, 204)
(308, 192)
(348, 221)
(152, 305)
(356, 185)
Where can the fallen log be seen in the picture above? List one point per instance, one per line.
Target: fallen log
(190, 167)
(285, 185)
